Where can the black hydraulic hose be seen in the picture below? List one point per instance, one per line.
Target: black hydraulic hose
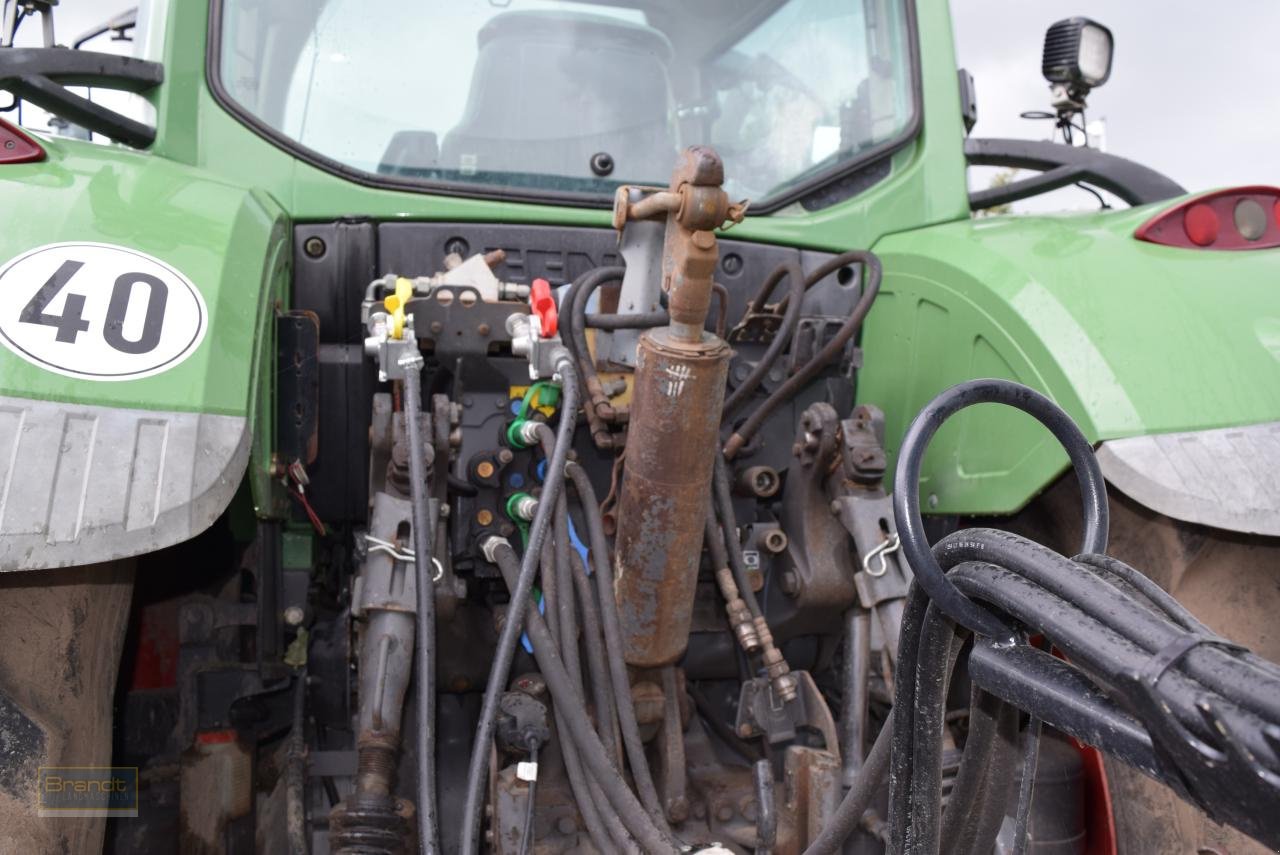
(906, 488)
(607, 777)
(581, 292)
(477, 772)
(1030, 759)
(829, 352)
(598, 551)
(597, 666)
(1145, 624)
(855, 802)
(639, 321)
(722, 498)
(425, 660)
(979, 794)
(781, 338)
(1141, 587)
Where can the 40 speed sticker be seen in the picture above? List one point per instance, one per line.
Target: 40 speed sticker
(99, 312)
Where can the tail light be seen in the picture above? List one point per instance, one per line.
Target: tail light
(1239, 218)
(17, 147)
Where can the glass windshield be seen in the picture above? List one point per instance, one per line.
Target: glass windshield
(574, 96)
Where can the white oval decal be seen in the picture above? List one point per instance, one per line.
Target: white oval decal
(98, 311)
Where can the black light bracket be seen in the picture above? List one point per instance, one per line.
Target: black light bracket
(41, 76)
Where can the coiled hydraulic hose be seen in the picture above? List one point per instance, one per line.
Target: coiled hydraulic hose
(906, 488)
(1192, 710)
(425, 660)
(824, 357)
(478, 770)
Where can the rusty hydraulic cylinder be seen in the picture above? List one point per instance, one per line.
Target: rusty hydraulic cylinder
(677, 398)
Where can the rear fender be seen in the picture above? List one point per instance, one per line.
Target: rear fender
(118, 437)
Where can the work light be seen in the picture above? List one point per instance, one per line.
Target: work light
(1077, 55)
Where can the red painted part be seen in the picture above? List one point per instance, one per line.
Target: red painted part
(544, 306)
(215, 737)
(1208, 221)
(17, 147)
(1100, 822)
(155, 665)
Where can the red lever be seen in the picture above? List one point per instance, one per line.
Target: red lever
(544, 306)
(17, 147)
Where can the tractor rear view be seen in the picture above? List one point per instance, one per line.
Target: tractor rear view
(604, 427)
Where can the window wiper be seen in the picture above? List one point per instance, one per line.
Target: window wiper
(42, 75)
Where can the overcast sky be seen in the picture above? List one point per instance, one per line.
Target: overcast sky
(1194, 89)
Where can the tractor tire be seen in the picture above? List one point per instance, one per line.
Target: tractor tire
(61, 635)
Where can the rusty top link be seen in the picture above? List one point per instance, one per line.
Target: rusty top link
(700, 166)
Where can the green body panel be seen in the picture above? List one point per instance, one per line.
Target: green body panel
(231, 242)
(1130, 337)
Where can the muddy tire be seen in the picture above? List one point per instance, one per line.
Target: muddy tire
(61, 634)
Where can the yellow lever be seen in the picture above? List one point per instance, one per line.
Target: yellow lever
(395, 303)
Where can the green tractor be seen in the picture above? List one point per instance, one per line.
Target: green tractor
(518, 426)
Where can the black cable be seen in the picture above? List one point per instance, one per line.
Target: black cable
(478, 769)
(631, 813)
(781, 338)
(829, 351)
(425, 635)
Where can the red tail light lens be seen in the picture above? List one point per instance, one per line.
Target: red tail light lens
(1240, 218)
(17, 147)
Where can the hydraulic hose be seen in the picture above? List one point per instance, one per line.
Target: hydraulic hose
(1206, 707)
(632, 814)
(855, 802)
(425, 661)
(906, 488)
(829, 352)
(477, 772)
(723, 501)
(597, 666)
(598, 552)
(781, 338)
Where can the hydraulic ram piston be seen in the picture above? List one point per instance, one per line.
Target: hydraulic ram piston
(673, 435)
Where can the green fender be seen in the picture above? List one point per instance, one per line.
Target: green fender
(1131, 338)
(92, 470)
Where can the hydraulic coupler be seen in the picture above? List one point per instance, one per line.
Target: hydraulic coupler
(674, 429)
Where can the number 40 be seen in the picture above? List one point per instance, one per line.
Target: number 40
(72, 322)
